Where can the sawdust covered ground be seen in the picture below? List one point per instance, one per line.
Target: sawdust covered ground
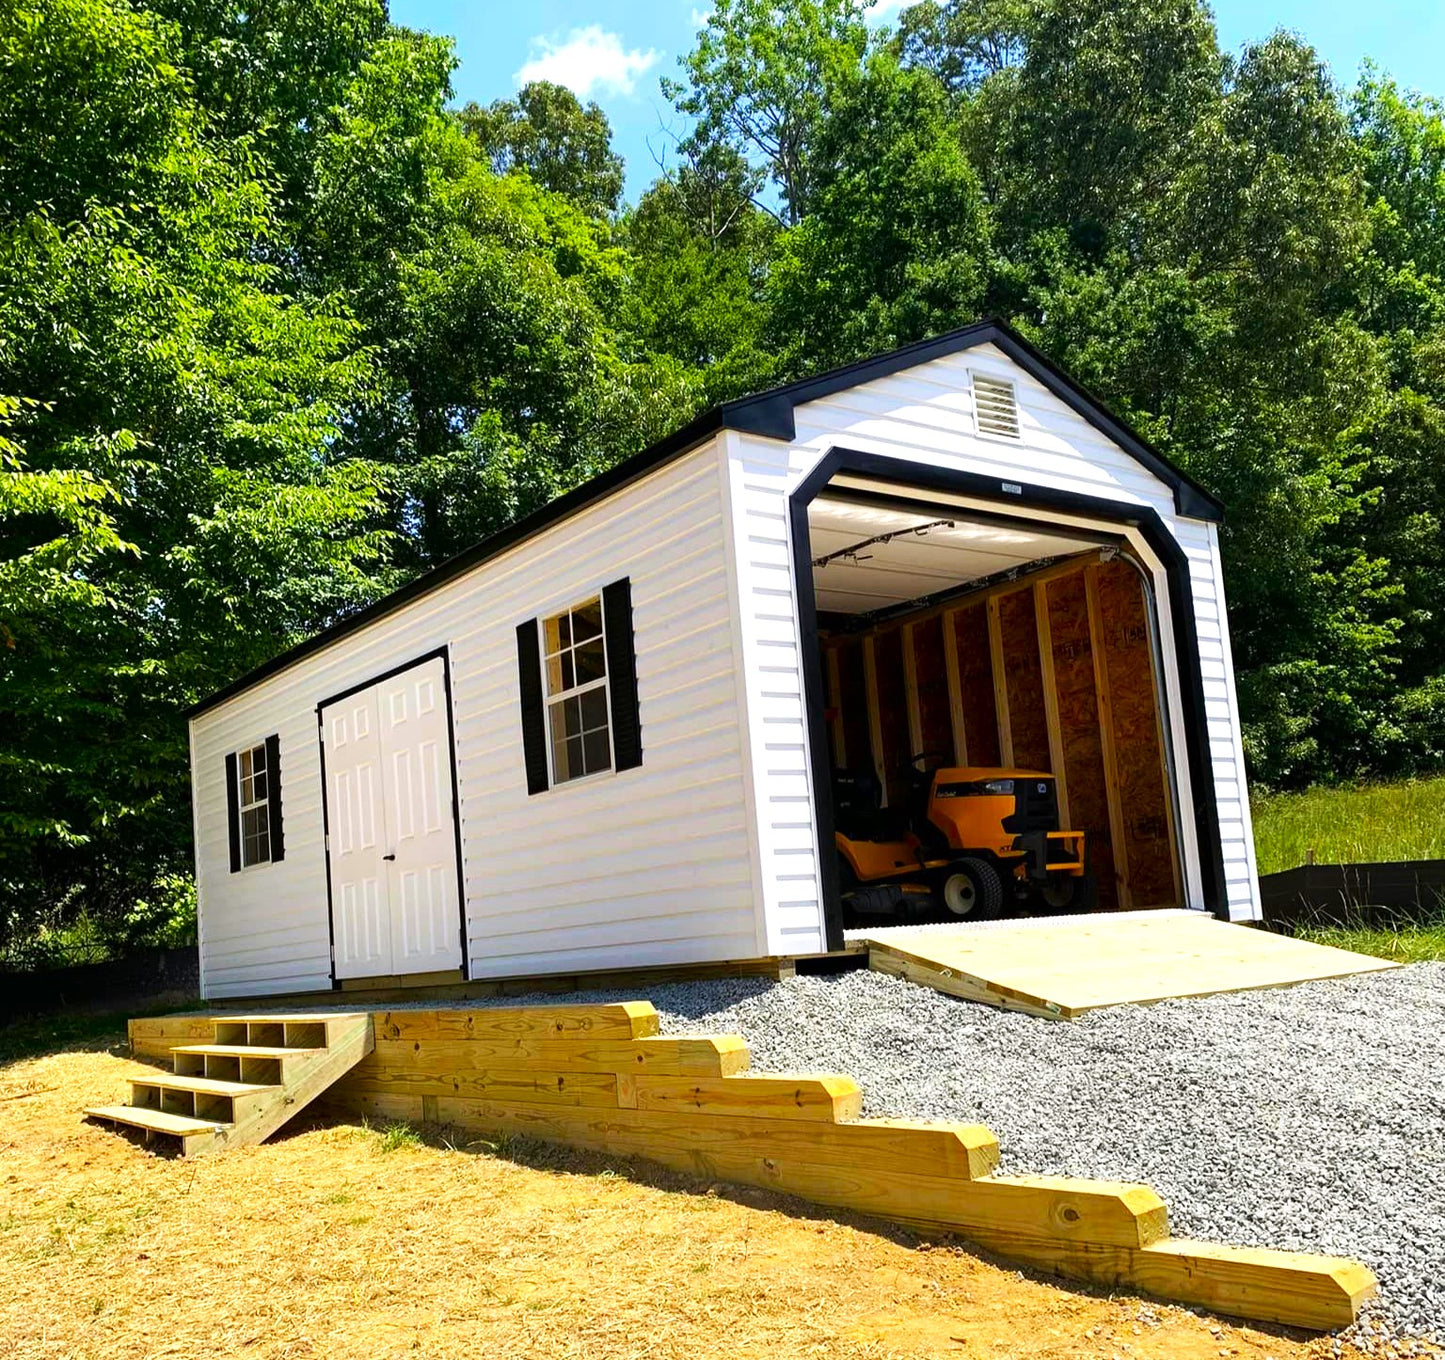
(335, 1240)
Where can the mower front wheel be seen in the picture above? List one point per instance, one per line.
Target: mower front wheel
(971, 890)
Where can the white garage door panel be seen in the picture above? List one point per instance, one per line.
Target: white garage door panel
(393, 838)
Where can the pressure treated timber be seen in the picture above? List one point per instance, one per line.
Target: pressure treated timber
(1117, 838)
(693, 1057)
(1000, 683)
(832, 1099)
(1322, 1293)
(623, 1020)
(523, 1071)
(1051, 701)
(955, 687)
(192, 1135)
(240, 1092)
(1063, 969)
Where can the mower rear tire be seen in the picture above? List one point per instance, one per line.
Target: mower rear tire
(971, 890)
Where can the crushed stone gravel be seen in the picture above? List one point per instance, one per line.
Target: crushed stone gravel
(1308, 1118)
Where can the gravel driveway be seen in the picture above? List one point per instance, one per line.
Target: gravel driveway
(1309, 1118)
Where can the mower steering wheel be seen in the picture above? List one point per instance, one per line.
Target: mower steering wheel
(926, 755)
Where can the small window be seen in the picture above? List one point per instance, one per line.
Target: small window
(255, 808)
(574, 656)
(577, 680)
(995, 407)
(253, 805)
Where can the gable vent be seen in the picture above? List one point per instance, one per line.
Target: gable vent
(996, 407)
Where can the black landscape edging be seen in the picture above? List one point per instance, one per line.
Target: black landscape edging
(153, 977)
(1383, 893)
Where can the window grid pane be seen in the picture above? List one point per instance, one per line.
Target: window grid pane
(254, 808)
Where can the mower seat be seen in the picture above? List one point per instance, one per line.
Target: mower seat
(858, 812)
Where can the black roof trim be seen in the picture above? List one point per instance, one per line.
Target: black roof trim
(770, 415)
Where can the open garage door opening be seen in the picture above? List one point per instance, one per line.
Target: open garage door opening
(997, 734)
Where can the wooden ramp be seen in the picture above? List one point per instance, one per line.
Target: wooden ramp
(1063, 968)
(255, 1074)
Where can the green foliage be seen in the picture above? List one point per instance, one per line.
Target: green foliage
(758, 81)
(279, 328)
(169, 513)
(896, 246)
(1401, 942)
(546, 134)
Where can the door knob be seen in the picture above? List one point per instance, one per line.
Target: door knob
(391, 856)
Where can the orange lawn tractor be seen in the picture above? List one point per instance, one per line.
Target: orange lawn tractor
(971, 840)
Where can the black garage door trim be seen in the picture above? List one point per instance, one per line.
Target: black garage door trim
(928, 477)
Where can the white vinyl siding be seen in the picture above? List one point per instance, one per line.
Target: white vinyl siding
(651, 866)
(926, 414)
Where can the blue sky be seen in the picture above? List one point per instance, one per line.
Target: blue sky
(614, 51)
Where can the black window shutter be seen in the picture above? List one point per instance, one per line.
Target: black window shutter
(534, 721)
(273, 798)
(622, 675)
(233, 813)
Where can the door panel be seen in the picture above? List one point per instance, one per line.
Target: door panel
(357, 828)
(393, 834)
(424, 877)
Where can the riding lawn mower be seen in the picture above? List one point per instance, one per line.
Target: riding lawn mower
(971, 840)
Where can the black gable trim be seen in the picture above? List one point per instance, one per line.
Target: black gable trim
(770, 416)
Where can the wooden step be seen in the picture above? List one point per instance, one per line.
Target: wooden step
(315, 1018)
(285, 1031)
(205, 1085)
(247, 1051)
(194, 1135)
(225, 1102)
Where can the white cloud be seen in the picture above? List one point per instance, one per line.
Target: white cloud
(700, 17)
(886, 9)
(590, 59)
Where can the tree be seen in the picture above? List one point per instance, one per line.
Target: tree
(964, 43)
(485, 299)
(699, 257)
(546, 133)
(757, 80)
(171, 512)
(896, 247)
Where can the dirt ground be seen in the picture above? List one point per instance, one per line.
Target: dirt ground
(338, 1240)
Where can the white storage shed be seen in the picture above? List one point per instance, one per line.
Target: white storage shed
(602, 739)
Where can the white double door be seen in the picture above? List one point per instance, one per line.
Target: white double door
(391, 828)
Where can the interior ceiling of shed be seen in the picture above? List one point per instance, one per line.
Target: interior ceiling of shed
(869, 557)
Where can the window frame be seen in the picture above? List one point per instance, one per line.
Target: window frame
(552, 701)
(243, 807)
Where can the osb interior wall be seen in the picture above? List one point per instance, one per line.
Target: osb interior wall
(891, 694)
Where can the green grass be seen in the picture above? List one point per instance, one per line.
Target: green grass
(1351, 825)
(395, 1137)
(1403, 942)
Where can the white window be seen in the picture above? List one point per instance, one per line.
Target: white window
(574, 661)
(254, 806)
